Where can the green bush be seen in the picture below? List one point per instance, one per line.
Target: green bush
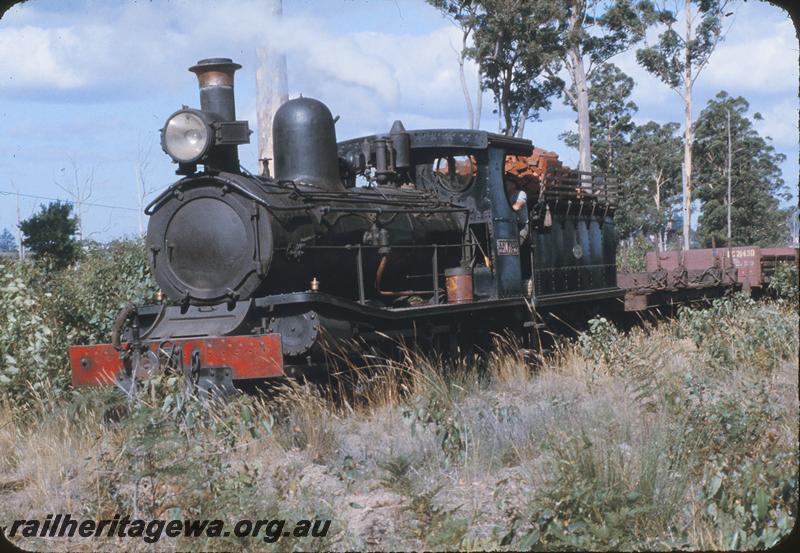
(43, 311)
(595, 500)
(91, 294)
(784, 282)
(32, 342)
(740, 332)
(433, 410)
(601, 341)
(632, 257)
(50, 235)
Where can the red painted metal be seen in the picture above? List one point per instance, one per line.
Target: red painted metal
(772, 257)
(785, 252)
(748, 261)
(94, 365)
(249, 357)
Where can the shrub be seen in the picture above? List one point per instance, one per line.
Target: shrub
(50, 234)
(784, 282)
(43, 312)
(740, 332)
(748, 481)
(91, 294)
(708, 468)
(32, 343)
(632, 256)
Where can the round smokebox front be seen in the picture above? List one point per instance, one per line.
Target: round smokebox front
(209, 245)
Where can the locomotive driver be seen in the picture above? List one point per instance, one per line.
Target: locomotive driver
(518, 199)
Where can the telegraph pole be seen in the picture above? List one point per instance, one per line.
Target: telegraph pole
(730, 155)
(140, 195)
(19, 233)
(21, 250)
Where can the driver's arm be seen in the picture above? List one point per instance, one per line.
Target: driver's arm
(521, 201)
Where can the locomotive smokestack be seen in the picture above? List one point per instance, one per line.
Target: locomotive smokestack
(215, 76)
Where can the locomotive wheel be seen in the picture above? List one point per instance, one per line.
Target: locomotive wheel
(298, 332)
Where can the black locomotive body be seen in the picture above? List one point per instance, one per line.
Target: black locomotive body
(404, 235)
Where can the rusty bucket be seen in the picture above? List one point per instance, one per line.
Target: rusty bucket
(459, 284)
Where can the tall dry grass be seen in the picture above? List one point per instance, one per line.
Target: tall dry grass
(681, 435)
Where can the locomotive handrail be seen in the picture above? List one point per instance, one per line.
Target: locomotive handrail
(380, 210)
(350, 247)
(424, 201)
(116, 329)
(149, 209)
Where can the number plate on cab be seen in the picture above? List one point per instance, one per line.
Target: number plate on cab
(507, 247)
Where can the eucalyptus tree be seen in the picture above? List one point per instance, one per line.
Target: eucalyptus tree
(594, 32)
(611, 112)
(678, 58)
(522, 45)
(650, 173)
(517, 44)
(749, 163)
(272, 89)
(7, 241)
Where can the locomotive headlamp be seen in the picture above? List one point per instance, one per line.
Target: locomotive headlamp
(187, 136)
(193, 136)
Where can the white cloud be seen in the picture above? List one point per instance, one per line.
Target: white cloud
(129, 50)
(340, 58)
(780, 123)
(36, 57)
(766, 61)
(144, 47)
(758, 55)
(424, 67)
(86, 56)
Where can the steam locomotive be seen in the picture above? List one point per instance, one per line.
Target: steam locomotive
(404, 235)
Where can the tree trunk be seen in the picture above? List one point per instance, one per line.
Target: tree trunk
(271, 90)
(578, 74)
(661, 240)
(19, 231)
(478, 103)
(464, 89)
(140, 194)
(688, 136)
(523, 116)
(582, 107)
(509, 130)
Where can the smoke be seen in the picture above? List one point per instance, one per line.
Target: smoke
(326, 57)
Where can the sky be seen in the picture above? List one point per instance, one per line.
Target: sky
(85, 86)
